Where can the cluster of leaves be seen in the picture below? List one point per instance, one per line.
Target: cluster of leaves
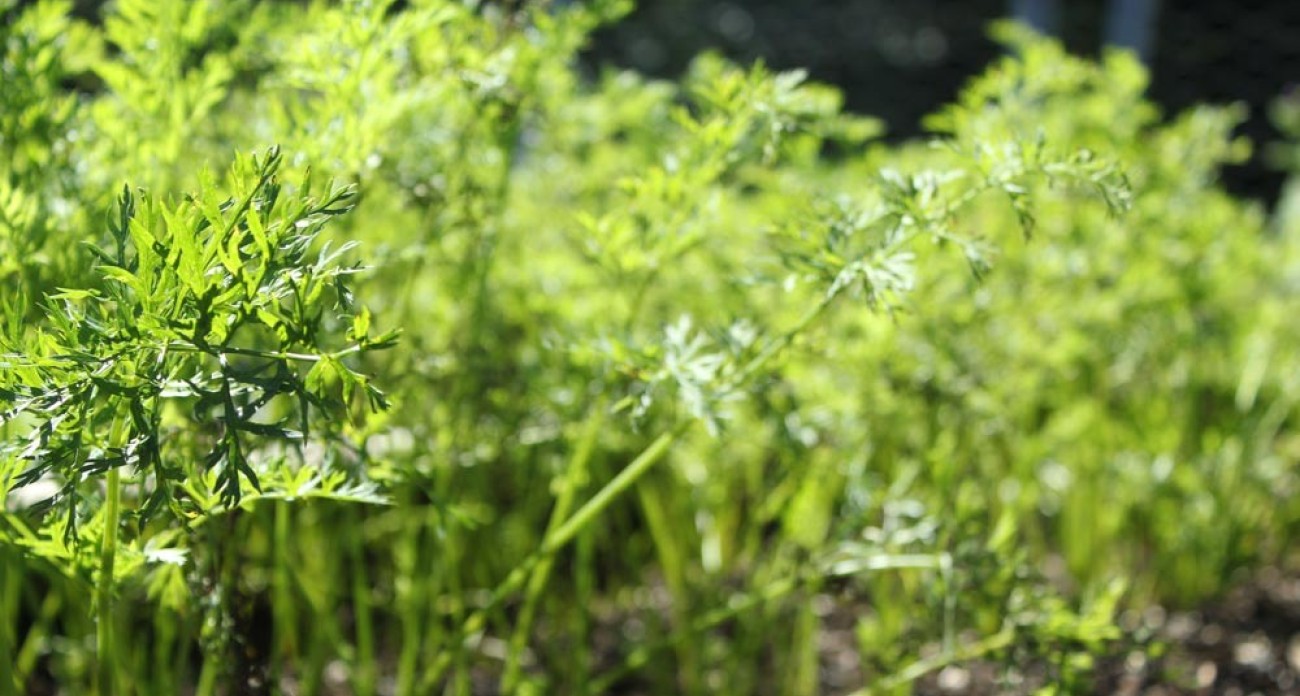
(896, 381)
(204, 311)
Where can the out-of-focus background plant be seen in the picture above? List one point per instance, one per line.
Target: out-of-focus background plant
(426, 352)
(900, 60)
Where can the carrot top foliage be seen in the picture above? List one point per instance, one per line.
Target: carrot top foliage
(373, 347)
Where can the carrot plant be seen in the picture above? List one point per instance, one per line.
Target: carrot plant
(701, 386)
(210, 311)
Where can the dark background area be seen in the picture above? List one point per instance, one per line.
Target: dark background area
(900, 59)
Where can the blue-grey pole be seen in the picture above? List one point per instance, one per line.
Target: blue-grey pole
(1131, 24)
(1043, 15)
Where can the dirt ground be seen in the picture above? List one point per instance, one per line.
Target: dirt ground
(1246, 644)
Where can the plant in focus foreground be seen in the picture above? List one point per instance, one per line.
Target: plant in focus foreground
(218, 337)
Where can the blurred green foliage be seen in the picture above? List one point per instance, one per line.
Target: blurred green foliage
(690, 370)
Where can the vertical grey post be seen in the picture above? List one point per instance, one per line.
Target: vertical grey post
(1131, 24)
(1043, 15)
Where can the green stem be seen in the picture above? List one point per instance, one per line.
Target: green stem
(364, 681)
(105, 649)
(35, 643)
(584, 574)
(181, 347)
(410, 591)
(641, 655)
(620, 484)
(166, 641)
(920, 668)
(574, 476)
(564, 534)
(668, 543)
(208, 675)
(10, 600)
(284, 625)
(778, 345)
(214, 614)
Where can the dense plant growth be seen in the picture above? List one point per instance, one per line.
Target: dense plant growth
(698, 386)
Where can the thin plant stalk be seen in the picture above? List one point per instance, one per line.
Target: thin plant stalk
(410, 593)
(922, 667)
(596, 505)
(518, 577)
(284, 627)
(574, 476)
(641, 656)
(167, 631)
(585, 589)
(10, 598)
(105, 648)
(26, 656)
(365, 673)
(208, 676)
(672, 561)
